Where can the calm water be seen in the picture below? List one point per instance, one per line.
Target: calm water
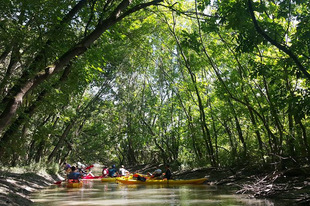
(94, 192)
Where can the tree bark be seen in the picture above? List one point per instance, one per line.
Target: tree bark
(61, 140)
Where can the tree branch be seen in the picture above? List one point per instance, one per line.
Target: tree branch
(285, 49)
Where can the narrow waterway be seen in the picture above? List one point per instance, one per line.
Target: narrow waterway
(95, 192)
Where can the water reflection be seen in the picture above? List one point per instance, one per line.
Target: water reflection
(98, 193)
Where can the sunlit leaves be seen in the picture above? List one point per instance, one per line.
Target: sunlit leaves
(145, 84)
(190, 40)
(202, 4)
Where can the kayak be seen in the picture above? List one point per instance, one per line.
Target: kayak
(74, 184)
(89, 177)
(108, 179)
(114, 179)
(162, 182)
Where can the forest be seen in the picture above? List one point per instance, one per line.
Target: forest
(193, 83)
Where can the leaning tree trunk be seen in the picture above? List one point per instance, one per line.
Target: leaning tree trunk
(14, 99)
(61, 140)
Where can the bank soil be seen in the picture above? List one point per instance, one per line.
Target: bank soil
(293, 184)
(290, 184)
(15, 188)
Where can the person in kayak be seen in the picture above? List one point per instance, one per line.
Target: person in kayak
(105, 171)
(168, 172)
(67, 167)
(81, 170)
(123, 171)
(112, 171)
(74, 176)
(157, 173)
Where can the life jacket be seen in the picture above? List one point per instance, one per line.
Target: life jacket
(106, 172)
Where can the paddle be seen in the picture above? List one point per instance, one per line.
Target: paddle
(91, 166)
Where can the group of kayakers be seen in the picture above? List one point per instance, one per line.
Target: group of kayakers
(157, 174)
(113, 172)
(79, 171)
(116, 175)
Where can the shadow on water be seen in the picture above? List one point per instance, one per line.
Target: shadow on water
(95, 193)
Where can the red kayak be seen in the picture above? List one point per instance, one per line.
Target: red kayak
(89, 177)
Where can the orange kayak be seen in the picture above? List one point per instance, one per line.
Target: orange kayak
(75, 184)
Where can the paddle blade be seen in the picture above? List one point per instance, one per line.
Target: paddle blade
(91, 166)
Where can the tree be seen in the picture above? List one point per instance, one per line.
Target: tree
(28, 82)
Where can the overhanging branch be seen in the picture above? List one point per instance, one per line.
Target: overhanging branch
(285, 49)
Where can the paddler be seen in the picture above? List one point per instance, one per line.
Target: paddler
(74, 176)
(168, 172)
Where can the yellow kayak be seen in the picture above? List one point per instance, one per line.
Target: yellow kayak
(108, 179)
(114, 179)
(162, 182)
(74, 184)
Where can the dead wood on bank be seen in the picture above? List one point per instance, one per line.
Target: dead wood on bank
(292, 184)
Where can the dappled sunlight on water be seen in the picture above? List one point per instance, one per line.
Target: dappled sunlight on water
(95, 193)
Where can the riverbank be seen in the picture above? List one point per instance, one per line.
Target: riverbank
(290, 184)
(15, 188)
(294, 185)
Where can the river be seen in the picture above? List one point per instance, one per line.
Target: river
(95, 193)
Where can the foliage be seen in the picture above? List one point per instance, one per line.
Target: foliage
(192, 83)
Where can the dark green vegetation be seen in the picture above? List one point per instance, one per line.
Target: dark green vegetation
(193, 83)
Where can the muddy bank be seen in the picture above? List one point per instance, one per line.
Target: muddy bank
(290, 184)
(15, 188)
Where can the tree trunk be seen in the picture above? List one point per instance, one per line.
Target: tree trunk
(61, 140)
(15, 98)
(239, 130)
